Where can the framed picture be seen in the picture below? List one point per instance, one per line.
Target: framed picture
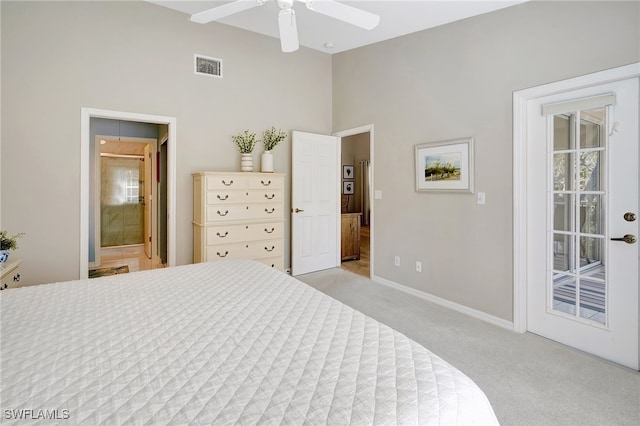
(347, 187)
(445, 166)
(347, 172)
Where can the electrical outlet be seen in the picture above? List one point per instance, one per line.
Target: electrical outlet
(396, 261)
(418, 266)
(481, 198)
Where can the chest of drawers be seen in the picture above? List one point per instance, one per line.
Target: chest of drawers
(238, 215)
(10, 274)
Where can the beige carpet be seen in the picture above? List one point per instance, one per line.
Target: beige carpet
(528, 379)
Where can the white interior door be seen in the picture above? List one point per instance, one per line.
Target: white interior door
(315, 210)
(582, 186)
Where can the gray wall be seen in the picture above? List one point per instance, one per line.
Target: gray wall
(455, 81)
(58, 57)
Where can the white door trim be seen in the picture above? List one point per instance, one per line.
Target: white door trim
(520, 146)
(85, 139)
(356, 131)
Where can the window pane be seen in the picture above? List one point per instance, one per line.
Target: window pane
(564, 294)
(563, 212)
(591, 128)
(592, 300)
(590, 171)
(590, 250)
(562, 172)
(591, 214)
(564, 253)
(561, 133)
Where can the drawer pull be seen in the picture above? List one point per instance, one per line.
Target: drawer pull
(226, 196)
(269, 198)
(16, 278)
(269, 232)
(222, 236)
(265, 184)
(269, 212)
(222, 255)
(227, 184)
(272, 249)
(226, 212)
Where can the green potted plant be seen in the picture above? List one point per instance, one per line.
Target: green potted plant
(7, 244)
(245, 142)
(270, 139)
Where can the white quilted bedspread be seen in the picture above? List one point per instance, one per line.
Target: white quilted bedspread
(230, 342)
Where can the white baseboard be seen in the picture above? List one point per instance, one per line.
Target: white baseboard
(446, 303)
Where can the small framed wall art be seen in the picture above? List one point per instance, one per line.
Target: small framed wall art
(347, 172)
(445, 166)
(347, 187)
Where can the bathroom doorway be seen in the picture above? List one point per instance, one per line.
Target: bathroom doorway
(356, 202)
(126, 205)
(124, 125)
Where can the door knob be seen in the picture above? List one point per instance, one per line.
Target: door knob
(628, 238)
(297, 210)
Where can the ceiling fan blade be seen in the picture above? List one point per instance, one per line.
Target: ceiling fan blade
(288, 30)
(225, 10)
(349, 14)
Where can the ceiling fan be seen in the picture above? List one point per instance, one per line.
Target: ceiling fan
(287, 16)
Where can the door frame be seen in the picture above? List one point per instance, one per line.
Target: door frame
(85, 140)
(520, 172)
(356, 131)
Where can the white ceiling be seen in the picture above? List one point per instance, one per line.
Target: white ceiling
(397, 18)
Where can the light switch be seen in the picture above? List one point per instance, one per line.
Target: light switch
(481, 198)
(377, 194)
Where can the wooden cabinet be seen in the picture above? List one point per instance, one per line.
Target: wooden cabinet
(10, 272)
(350, 230)
(238, 216)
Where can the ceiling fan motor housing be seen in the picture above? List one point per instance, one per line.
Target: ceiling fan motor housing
(285, 4)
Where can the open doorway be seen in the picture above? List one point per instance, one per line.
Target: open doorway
(126, 204)
(356, 200)
(164, 130)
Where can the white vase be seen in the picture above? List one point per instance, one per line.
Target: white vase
(267, 162)
(246, 163)
(4, 255)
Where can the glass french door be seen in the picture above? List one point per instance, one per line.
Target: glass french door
(582, 184)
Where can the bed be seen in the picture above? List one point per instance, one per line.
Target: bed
(229, 342)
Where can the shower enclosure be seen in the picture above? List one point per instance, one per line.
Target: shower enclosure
(122, 201)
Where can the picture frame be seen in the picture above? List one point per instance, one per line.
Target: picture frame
(347, 172)
(445, 166)
(348, 187)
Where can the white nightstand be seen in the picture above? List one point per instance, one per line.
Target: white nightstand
(10, 272)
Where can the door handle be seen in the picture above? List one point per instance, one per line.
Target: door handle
(628, 238)
(297, 210)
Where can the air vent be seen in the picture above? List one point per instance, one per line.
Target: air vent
(211, 67)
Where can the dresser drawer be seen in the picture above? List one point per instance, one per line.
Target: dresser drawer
(250, 250)
(227, 234)
(235, 212)
(274, 262)
(222, 197)
(263, 182)
(226, 182)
